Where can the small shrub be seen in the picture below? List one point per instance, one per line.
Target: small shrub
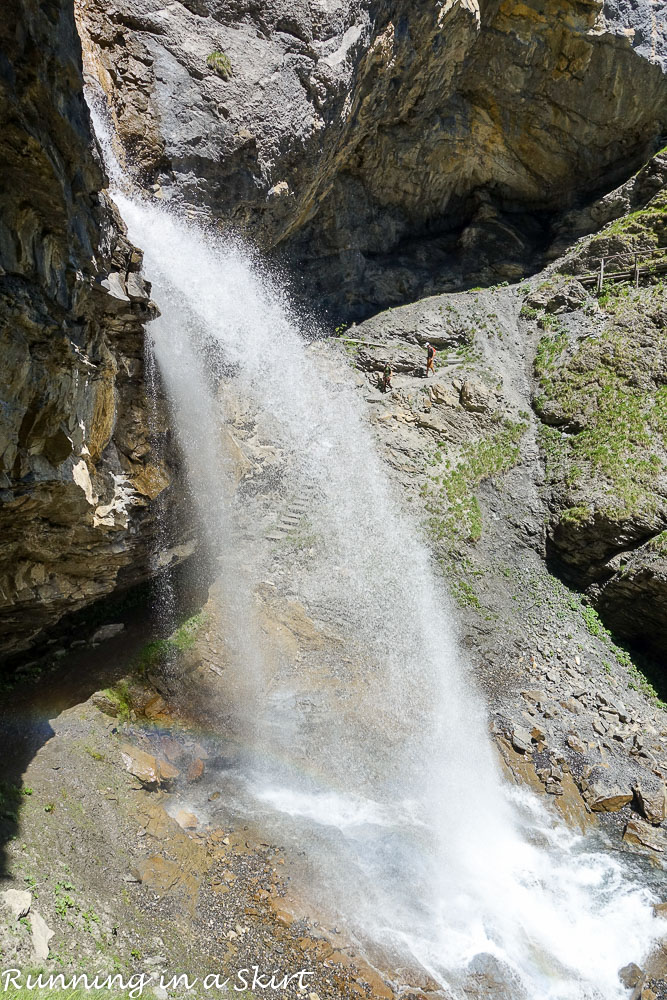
(220, 63)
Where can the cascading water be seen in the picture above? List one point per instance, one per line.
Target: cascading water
(369, 752)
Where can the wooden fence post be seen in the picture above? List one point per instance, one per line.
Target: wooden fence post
(601, 275)
(636, 270)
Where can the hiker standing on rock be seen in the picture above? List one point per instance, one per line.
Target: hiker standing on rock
(430, 355)
(386, 377)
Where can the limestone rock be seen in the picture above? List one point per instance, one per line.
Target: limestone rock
(652, 807)
(107, 632)
(148, 769)
(105, 704)
(155, 707)
(186, 820)
(351, 123)
(475, 396)
(642, 835)
(41, 935)
(608, 799)
(195, 770)
(141, 764)
(631, 975)
(18, 901)
(74, 419)
(521, 740)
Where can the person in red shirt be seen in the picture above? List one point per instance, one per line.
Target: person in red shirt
(430, 355)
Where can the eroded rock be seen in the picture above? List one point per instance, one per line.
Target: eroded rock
(642, 835)
(18, 901)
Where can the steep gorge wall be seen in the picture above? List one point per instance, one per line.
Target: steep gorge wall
(76, 471)
(388, 149)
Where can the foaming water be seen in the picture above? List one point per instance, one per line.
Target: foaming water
(389, 786)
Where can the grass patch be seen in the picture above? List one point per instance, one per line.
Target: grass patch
(658, 543)
(606, 391)
(464, 595)
(453, 507)
(576, 515)
(220, 63)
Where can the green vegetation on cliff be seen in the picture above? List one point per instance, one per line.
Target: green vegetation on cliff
(453, 507)
(604, 404)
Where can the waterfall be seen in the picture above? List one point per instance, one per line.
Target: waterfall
(366, 750)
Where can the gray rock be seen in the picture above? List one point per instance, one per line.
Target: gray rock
(652, 807)
(642, 835)
(107, 632)
(18, 901)
(41, 935)
(575, 744)
(327, 137)
(521, 740)
(75, 410)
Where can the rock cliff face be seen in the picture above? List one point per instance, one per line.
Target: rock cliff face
(387, 150)
(76, 473)
(390, 149)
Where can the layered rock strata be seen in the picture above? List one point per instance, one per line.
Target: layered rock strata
(388, 150)
(76, 471)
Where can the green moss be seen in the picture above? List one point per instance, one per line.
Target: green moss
(220, 63)
(645, 226)
(161, 651)
(119, 695)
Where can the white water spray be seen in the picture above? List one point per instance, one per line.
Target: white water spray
(390, 787)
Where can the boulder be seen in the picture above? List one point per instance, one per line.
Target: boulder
(652, 807)
(41, 935)
(521, 740)
(440, 392)
(141, 764)
(18, 901)
(196, 770)
(475, 396)
(186, 820)
(107, 632)
(148, 769)
(105, 704)
(608, 799)
(167, 772)
(643, 835)
(631, 975)
(155, 707)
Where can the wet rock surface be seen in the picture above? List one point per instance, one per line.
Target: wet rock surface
(77, 473)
